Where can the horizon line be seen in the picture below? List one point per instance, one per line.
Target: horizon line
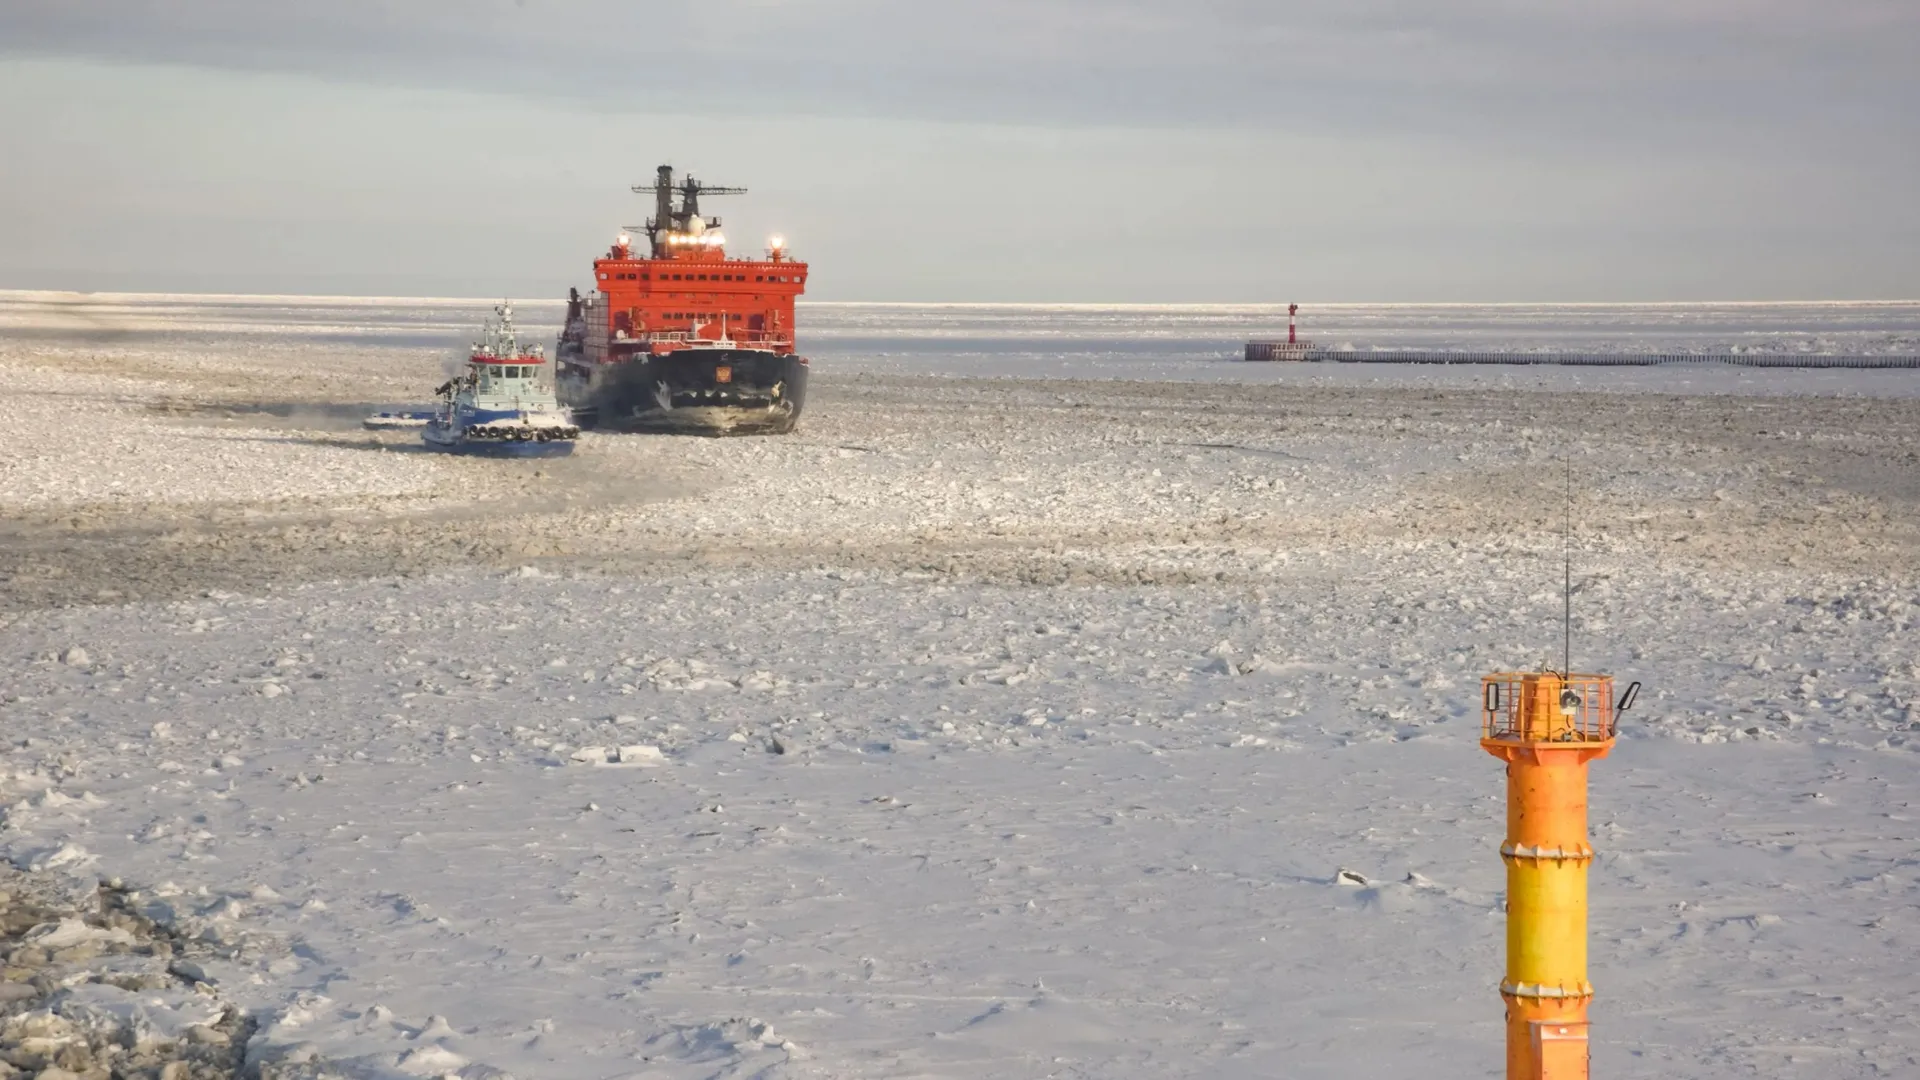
(1035, 304)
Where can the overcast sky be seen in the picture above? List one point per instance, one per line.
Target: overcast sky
(999, 150)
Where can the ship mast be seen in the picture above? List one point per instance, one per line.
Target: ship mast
(666, 219)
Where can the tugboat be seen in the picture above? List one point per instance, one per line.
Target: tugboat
(502, 406)
(684, 338)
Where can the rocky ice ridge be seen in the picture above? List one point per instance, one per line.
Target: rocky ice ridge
(104, 982)
(94, 986)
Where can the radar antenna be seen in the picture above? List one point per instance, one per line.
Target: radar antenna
(666, 218)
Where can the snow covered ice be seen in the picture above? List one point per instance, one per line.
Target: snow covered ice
(1117, 726)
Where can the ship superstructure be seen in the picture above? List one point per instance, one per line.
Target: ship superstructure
(680, 335)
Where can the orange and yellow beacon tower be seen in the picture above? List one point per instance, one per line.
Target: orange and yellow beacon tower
(1547, 726)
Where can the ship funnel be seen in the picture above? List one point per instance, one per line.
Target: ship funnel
(662, 204)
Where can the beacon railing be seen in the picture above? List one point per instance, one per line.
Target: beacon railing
(1545, 706)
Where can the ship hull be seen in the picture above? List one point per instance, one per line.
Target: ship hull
(495, 450)
(690, 391)
(448, 440)
(492, 449)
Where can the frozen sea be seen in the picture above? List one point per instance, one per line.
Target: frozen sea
(1181, 341)
(1015, 718)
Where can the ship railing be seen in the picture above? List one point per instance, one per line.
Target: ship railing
(683, 336)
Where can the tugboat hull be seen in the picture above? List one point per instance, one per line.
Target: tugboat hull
(503, 450)
(441, 440)
(691, 391)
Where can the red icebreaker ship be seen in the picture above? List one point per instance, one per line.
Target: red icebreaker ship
(683, 337)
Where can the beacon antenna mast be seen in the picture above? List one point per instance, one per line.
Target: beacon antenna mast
(670, 219)
(1566, 577)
